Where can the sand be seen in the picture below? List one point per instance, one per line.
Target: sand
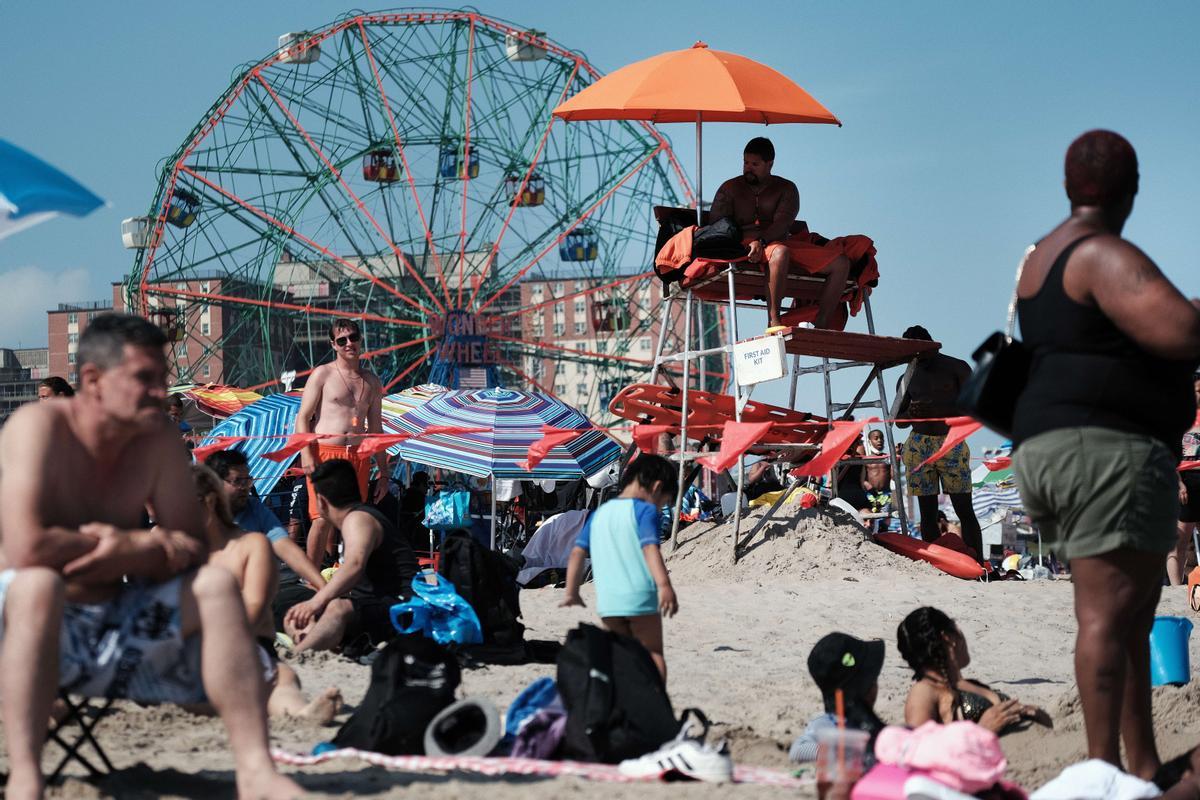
(737, 650)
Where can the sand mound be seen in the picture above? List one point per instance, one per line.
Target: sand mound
(798, 544)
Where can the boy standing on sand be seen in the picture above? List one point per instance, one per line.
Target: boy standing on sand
(633, 590)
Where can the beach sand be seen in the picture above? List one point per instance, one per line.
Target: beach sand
(737, 650)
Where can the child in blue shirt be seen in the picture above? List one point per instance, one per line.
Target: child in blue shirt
(633, 590)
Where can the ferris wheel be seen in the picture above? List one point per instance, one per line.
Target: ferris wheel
(403, 169)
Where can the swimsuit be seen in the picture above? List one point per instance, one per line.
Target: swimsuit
(362, 469)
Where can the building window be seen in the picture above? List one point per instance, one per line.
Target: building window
(580, 307)
(70, 358)
(204, 328)
(205, 370)
(72, 318)
(206, 287)
(72, 376)
(538, 293)
(560, 328)
(181, 350)
(538, 369)
(72, 338)
(559, 289)
(539, 328)
(580, 347)
(581, 389)
(560, 309)
(579, 286)
(580, 328)
(560, 389)
(601, 346)
(644, 344)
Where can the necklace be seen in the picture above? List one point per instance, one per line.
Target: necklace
(354, 398)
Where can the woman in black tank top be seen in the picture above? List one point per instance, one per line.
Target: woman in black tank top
(1098, 430)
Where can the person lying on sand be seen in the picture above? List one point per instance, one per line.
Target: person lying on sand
(249, 558)
(841, 662)
(633, 589)
(90, 598)
(936, 649)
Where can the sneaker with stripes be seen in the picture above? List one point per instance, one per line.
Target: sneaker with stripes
(685, 755)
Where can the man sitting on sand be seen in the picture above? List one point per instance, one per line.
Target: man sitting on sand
(251, 515)
(342, 398)
(377, 570)
(75, 476)
(764, 206)
(248, 557)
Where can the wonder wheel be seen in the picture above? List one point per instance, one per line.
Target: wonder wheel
(403, 169)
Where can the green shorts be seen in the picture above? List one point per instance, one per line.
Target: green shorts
(1095, 490)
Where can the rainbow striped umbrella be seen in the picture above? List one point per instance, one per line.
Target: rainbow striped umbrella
(514, 421)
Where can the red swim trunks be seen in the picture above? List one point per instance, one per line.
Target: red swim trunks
(326, 452)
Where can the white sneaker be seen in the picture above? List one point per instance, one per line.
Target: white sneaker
(684, 755)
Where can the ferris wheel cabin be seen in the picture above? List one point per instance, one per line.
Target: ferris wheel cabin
(292, 49)
(520, 46)
(381, 166)
(534, 193)
(580, 244)
(135, 232)
(183, 208)
(457, 162)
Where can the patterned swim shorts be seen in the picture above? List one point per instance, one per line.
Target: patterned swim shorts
(130, 647)
(952, 470)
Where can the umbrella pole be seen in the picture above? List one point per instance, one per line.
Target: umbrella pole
(493, 512)
(699, 168)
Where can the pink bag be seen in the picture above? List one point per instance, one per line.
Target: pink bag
(882, 782)
(961, 755)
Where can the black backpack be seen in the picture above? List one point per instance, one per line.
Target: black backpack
(617, 705)
(412, 679)
(487, 580)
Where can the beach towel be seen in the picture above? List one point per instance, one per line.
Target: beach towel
(496, 767)
(1095, 780)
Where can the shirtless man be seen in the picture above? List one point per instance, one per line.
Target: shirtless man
(249, 557)
(75, 476)
(764, 206)
(932, 395)
(341, 398)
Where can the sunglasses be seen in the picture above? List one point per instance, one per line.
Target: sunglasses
(350, 338)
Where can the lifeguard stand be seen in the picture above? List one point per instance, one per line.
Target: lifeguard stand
(741, 285)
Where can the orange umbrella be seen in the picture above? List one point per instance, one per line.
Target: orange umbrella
(696, 85)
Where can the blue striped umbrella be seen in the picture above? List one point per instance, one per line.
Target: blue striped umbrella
(274, 416)
(514, 421)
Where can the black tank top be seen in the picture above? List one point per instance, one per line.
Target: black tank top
(1086, 372)
(390, 566)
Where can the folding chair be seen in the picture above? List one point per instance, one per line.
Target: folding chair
(84, 717)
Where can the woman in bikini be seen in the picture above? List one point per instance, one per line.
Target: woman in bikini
(936, 650)
(248, 556)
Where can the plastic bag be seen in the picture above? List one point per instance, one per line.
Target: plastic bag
(438, 612)
(448, 509)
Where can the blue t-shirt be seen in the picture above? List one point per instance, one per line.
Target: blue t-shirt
(257, 518)
(614, 537)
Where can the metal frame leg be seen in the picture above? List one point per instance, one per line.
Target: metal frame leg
(737, 411)
(687, 360)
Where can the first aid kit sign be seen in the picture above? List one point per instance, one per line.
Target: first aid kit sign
(759, 360)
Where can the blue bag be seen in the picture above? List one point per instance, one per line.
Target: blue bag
(448, 509)
(438, 612)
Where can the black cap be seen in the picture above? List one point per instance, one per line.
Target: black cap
(840, 661)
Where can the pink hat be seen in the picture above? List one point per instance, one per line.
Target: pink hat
(961, 755)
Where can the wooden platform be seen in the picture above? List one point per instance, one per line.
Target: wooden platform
(884, 351)
(749, 284)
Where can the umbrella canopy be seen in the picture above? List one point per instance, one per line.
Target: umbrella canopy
(696, 85)
(32, 191)
(684, 85)
(217, 400)
(515, 421)
(269, 420)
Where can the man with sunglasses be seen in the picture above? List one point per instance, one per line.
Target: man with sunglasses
(342, 399)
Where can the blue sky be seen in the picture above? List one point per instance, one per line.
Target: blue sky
(956, 116)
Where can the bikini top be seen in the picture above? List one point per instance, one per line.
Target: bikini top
(971, 705)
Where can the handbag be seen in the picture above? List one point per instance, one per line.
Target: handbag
(448, 509)
(1001, 372)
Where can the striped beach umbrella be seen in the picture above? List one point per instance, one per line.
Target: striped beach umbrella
(514, 421)
(267, 422)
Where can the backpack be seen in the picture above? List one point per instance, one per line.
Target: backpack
(487, 580)
(412, 679)
(617, 705)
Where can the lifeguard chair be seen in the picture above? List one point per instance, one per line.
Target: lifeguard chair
(534, 193)
(580, 244)
(457, 162)
(381, 166)
(183, 208)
